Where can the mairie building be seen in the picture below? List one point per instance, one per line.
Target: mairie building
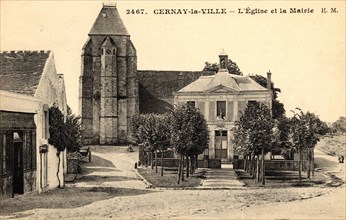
(112, 90)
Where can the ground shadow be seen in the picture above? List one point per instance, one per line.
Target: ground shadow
(97, 164)
(101, 179)
(66, 198)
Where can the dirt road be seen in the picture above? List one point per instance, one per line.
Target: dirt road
(111, 189)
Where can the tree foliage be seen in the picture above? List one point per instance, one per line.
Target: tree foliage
(73, 131)
(305, 129)
(278, 109)
(189, 130)
(253, 134)
(339, 125)
(64, 134)
(189, 135)
(57, 129)
(231, 66)
(254, 130)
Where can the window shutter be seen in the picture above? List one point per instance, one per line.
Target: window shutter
(211, 111)
(230, 111)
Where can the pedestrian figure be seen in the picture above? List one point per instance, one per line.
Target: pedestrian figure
(341, 161)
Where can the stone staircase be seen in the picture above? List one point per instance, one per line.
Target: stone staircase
(224, 178)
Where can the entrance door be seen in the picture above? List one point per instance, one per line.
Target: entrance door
(221, 145)
(18, 173)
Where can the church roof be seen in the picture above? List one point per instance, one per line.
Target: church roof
(21, 71)
(156, 87)
(223, 78)
(108, 22)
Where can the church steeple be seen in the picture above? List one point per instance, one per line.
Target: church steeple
(108, 22)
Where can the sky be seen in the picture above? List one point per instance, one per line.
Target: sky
(304, 51)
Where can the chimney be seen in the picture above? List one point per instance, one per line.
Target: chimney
(269, 80)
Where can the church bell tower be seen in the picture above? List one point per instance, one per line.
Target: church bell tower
(108, 82)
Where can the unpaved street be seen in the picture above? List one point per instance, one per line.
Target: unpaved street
(111, 189)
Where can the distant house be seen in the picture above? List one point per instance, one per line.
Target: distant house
(29, 85)
(222, 98)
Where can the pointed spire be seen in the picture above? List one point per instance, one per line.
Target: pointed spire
(108, 22)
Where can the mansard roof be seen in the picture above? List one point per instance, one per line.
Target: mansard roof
(223, 78)
(108, 22)
(21, 71)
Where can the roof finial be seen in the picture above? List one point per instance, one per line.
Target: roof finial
(223, 52)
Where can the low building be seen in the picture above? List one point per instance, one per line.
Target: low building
(221, 98)
(29, 85)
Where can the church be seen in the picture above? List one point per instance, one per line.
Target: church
(112, 90)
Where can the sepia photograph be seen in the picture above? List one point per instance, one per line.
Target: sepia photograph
(172, 109)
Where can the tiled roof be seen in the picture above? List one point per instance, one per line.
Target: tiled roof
(156, 87)
(21, 71)
(108, 22)
(234, 82)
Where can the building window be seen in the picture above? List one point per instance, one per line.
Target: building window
(251, 102)
(191, 103)
(221, 109)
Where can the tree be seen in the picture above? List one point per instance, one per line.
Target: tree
(73, 131)
(64, 133)
(278, 109)
(151, 130)
(340, 125)
(253, 133)
(231, 66)
(305, 129)
(57, 133)
(281, 142)
(189, 133)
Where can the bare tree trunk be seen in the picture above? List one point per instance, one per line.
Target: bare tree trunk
(148, 159)
(192, 159)
(196, 157)
(152, 159)
(300, 165)
(182, 168)
(156, 170)
(309, 163)
(257, 170)
(253, 167)
(187, 167)
(162, 162)
(262, 169)
(313, 162)
(245, 163)
(179, 170)
(58, 171)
